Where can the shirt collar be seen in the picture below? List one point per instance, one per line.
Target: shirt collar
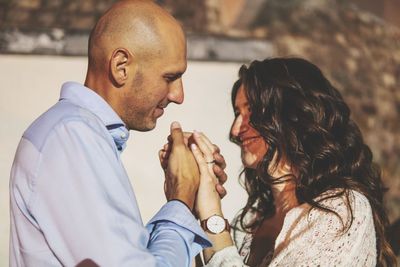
(90, 100)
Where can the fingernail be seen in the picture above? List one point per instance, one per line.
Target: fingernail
(193, 146)
(175, 125)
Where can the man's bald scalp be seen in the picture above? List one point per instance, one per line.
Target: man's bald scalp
(130, 24)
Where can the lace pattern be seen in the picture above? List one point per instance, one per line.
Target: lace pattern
(315, 239)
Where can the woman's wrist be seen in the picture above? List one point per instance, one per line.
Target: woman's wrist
(219, 241)
(203, 215)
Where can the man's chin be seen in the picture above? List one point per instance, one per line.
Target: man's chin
(146, 127)
(149, 128)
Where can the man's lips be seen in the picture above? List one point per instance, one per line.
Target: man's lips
(159, 111)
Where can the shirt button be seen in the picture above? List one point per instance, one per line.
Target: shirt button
(123, 135)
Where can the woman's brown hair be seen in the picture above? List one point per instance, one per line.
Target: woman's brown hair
(305, 120)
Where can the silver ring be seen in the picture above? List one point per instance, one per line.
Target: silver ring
(211, 162)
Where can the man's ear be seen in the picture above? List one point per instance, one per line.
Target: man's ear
(119, 66)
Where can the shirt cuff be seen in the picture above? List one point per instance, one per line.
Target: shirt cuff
(178, 213)
(175, 199)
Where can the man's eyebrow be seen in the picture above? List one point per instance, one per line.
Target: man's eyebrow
(174, 75)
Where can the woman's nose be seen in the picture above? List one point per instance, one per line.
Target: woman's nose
(237, 126)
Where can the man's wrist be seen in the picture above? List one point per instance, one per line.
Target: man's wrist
(185, 194)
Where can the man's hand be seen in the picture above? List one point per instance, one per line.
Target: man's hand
(218, 167)
(181, 171)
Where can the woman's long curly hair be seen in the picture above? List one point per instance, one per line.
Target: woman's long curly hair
(305, 121)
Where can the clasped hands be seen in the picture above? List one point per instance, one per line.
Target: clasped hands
(194, 171)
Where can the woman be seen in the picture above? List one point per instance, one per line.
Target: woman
(315, 197)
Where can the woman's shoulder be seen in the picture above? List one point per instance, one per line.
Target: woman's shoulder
(334, 234)
(342, 195)
(339, 211)
(346, 203)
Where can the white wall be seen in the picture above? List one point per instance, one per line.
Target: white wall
(31, 84)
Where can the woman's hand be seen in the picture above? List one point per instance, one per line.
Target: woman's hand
(208, 201)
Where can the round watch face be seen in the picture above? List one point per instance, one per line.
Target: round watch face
(216, 224)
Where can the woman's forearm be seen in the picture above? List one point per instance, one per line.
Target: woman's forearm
(219, 241)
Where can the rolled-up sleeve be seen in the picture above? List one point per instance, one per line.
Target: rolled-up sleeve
(174, 221)
(83, 203)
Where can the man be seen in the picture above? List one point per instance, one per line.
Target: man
(71, 200)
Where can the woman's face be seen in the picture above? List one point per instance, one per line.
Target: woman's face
(253, 146)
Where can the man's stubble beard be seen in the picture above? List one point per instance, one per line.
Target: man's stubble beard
(138, 120)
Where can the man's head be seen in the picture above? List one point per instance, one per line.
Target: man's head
(137, 55)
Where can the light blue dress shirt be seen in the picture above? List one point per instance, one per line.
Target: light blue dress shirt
(71, 199)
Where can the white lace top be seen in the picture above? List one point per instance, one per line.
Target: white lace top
(314, 239)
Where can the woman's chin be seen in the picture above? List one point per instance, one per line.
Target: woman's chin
(250, 163)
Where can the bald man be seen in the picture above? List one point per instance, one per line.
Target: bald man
(71, 199)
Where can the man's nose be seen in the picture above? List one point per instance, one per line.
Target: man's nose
(176, 94)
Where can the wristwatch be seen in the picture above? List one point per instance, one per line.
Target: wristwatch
(215, 224)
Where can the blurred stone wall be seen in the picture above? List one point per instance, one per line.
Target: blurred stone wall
(69, 15)
(358, 50)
